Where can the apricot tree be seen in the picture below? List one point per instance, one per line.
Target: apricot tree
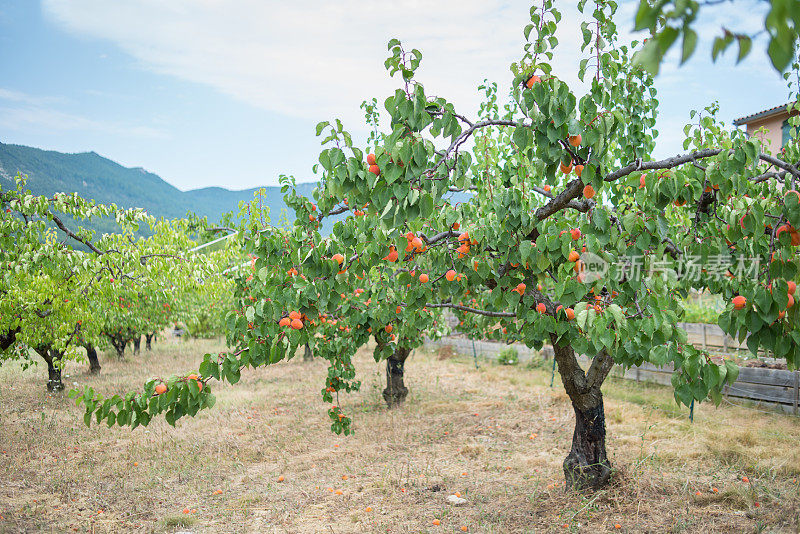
(60, 282)
(566, 232)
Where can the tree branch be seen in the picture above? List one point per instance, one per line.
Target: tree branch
(74, 236)
(471, 310)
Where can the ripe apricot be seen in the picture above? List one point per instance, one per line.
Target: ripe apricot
(792, 287)
(297, 324)
(588, 191)
(574, 256)
(388, 328)
(294, 315)
(437, 522)
(161, 388)
(371, 160)
(423, 278)
(450, 275)
(374, 169)
(578, 170)
(641, 182)
(456, 226)
(547, 188)
(417, 243)
(566, 169)
(531, 81)
(338, 257)
(791, 302)
(575, 140)
(192, 377)
(541, 308)
(739, 302)
(392, 256)
(575, 233)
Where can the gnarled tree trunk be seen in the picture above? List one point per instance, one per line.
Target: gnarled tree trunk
(118, 342)
(137, 340)
(8, 338)
(94, 363)
(396, 391)
(147, 339)
(587, 465)
(53, 359)
(307, 354)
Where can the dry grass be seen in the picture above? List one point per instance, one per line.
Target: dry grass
(496, 435)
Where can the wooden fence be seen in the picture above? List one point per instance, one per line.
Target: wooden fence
(774, 387)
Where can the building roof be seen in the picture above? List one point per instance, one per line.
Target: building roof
(777, 110)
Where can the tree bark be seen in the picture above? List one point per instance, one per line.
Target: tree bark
(307, 354)
(8, 338)
(119, 343)
(587, 465)
(137, 340)
(53, 359)
(94, 363)
(396, 391)
(147, 339)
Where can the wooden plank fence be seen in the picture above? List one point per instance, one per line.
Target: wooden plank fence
(774, 387)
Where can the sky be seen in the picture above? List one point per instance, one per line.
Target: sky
(228, 93)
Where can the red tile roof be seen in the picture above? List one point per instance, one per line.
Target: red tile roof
(761, 114)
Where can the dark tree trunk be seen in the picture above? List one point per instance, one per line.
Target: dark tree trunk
(119, 343)
(53, 359)
(94, 363)
(119, 347)
(307, 354)
(8, 338)
(137, 340)
(587, 465)
(147, 339)
(396, 391)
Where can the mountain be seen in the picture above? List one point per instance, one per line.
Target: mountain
(94, 177)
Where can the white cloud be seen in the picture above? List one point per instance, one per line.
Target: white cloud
(318, 59)
(24, 98)
(22, 118)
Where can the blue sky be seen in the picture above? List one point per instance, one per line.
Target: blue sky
(205, 92)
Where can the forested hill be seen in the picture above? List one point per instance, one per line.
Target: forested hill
(94, 177)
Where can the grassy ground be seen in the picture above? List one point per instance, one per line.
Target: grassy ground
(497, 436)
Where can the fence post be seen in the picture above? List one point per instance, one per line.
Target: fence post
(796, 391)
(704, 336)
(553, 376)
(474, 354)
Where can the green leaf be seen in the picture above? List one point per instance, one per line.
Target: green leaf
(689, 44)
